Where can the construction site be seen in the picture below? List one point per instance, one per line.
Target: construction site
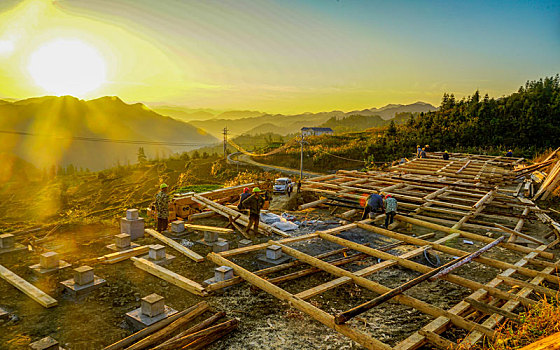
(468, 251)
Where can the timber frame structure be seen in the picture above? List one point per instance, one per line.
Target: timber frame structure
(469, 196)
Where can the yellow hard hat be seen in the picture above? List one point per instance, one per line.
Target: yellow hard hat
(256, 189)
(445, 151)
(163, 185)
(510, 151)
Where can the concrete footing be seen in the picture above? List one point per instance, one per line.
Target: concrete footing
(152, 310)
(133, 227)
(221, 273)
(158, 256)
(178, 226)
(244, 243)
(274, 255)
(49, 263)
(84, 282)
(122, 242)
(221, 246)
(47, 343)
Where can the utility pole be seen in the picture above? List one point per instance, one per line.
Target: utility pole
(225, 132)
(301, 158)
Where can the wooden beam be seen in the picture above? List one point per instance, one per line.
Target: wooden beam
(438, 341)
(169, 276)
(124, 255)
(470, 235)
(517, 233)
(27, 288)
(537, 288)
(457, 252)
(378, 288)
(300, 304)
(491, 309)
(552, 342)
(209, 228)
(179, 247)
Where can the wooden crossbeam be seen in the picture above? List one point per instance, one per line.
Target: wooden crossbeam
(170, 276)
(179, 247)
(27, 288)
(328, 320)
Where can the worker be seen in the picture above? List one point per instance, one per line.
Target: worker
(426, 147)
(509, 153)
(299, 186)
(390, 205)
(162, 207)
(254, 204)
(289, 189)
(243, 196)
(445, 155)
(423, 153)
(418, 151)
(373, 205)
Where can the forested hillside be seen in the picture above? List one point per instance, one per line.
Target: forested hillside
(527, 121)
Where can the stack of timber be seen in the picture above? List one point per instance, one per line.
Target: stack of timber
(170, 333)
(550, 183)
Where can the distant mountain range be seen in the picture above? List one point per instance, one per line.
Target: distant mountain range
(254, 122)
(57, 121)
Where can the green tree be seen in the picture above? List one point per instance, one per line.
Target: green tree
(141, 156)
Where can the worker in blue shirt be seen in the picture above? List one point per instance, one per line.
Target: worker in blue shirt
(373, 205)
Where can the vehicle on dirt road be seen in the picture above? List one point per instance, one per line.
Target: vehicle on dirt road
(282, 184)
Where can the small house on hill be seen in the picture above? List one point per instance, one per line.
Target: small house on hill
(316, 131)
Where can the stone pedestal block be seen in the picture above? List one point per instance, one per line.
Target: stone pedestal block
(157, 252)
(46, 343)
(223, 273)
(122, 241)
(210, 237)
(274, 252)
(153, 305)
(49, 260)
(135, 228)
(83, 275)
(245, 243)
(132, 214)
(219, 247)
(178, 226)
(7, 241)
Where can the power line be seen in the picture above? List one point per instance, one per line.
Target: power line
(99, 139)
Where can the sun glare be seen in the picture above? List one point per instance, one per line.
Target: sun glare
(67, 67)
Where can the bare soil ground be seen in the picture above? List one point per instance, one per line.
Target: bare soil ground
(265, 322)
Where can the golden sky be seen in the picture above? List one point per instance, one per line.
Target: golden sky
(276, 56)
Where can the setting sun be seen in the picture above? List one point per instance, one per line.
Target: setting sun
(67, 67)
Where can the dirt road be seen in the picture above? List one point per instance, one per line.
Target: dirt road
(245, 159)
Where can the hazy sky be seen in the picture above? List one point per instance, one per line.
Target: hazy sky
(277, 56)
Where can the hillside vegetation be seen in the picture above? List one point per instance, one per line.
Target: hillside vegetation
(57, 123)
(527, 121)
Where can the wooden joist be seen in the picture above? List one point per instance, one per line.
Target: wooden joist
(124, 255)
(27, 288)
(215, 229)
(328, 320)
(179, 247)
(170, 276)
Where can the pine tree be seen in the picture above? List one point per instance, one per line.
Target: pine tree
(141, 156)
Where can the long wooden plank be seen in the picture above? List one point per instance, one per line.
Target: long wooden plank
(170, 276)
(551, 342)
(378, 288)
(470, 235)
(125, 254)
(517, 233)
(209, 228)
(328, 320)
(180, 248)
(27, 288)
